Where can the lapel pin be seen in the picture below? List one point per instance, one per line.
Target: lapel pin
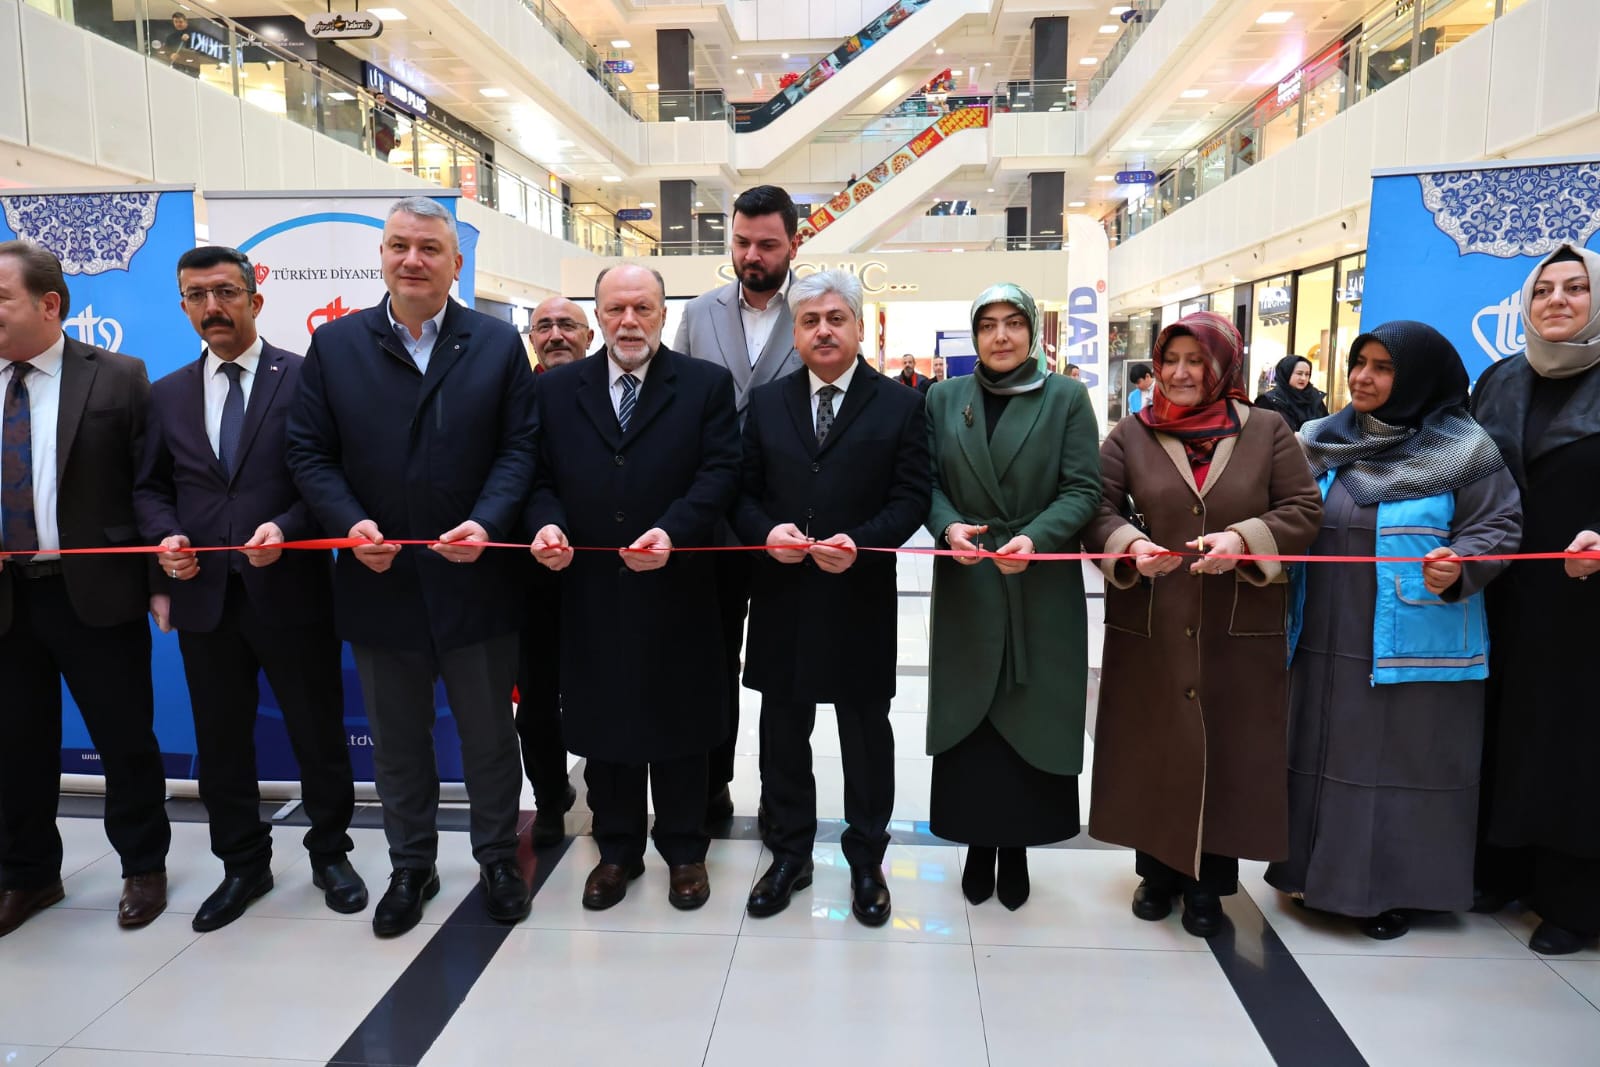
(967, 415)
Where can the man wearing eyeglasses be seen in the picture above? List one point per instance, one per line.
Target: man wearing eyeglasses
(214, 473)
(560, 333)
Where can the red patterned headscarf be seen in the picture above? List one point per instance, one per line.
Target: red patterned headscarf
(1200, 427)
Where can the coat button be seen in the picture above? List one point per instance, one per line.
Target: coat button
(811, 513)
(1195, 509)
(619, 516)
(1188, 631)
(815, 467)
(618, 461)
(1189, 693)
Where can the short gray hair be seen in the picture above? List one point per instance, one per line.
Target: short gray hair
(427, 208)
(815, 286)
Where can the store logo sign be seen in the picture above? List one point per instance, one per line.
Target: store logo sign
(343, 27)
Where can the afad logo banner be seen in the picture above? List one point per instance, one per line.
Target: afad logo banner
(119, 250)
(317, 257)
(1451, 246)
(1084, 319)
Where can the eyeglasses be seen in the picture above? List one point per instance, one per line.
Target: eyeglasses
(225, 294)
(564, 325)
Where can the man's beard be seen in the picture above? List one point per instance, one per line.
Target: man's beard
(764, 282)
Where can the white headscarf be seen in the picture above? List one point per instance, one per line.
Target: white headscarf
(1564, 359)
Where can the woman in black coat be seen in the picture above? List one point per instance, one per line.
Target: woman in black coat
(1292, 395)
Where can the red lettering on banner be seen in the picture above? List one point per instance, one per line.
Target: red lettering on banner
(327, 313)
(262, 270)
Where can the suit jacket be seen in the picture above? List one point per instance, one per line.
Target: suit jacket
(99, 437)
(642, 671)
(183, 489)
(818, 637)
(712, 329)
(371, 437)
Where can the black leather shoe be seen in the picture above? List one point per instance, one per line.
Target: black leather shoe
(719, 806)
(1488, 902)
(1202, 913)
(1152, 902)
(228, 901)
(607, 884)
(977, 875)
(1011, 884)
(550, 822)
(773, 889)
(1387, 925)
(507, 894)
(400, 908)
(869, 896)
(342, 888)
(1552, 940)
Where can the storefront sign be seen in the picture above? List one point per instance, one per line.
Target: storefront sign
(396, 91)
(208, 46)
(1272, 304)
(343, 27)
(1354, 282)
(618, 66)
(635, 214)
(1289, 89)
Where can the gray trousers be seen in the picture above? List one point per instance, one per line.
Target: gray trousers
(398, 688)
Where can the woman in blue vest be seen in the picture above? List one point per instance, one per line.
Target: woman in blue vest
(1386, 692)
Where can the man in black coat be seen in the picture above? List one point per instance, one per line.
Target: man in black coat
(414, 421)
(835, 460)
(73, 425)
(642, 457)
(214, 473)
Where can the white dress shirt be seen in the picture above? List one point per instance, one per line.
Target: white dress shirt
(44, 401)
(758, 322)
(616, 374)
(217, 388)
(420, 348)
(842, 383)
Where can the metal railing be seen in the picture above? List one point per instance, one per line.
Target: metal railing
(247, 65)
(577, 46)
(684, 105)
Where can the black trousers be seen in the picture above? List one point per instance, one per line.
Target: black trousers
(107, 670)
(1218, 874)
(733, 601)
(302, 666)
(1561, 888)
(616, 796)
(544, 753)
(789, 789)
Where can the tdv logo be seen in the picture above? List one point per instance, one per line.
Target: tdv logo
(91, 329)
(1504, 336)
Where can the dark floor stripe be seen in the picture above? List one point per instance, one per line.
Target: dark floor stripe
(1294, 1022)
(400, 1029)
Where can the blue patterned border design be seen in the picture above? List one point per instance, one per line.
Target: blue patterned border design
(1515, 211)
(91, 233)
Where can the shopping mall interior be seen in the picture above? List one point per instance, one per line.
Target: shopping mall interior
(1162, 156)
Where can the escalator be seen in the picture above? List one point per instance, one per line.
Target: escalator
(876, 204)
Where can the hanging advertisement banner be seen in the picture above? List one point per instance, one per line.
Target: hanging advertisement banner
(1451, 246)
(316, 258)
(119, 249)
(1084, 322)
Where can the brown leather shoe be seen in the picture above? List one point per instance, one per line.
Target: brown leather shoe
(691, 886)
(607, 884)
(144, 896)
(16, 905)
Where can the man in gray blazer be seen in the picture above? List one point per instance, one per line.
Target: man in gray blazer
(745, 326)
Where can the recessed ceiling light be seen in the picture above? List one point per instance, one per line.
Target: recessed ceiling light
(388, 14)
(619, 43)
(733, 57)
(1104, 178)
(1274, 18)
(493, 92)
(652, 87)
(1088, 61)
(1121, 9)
(738, 70)
(783, 55)
(610, 177)
(647, 203)
(988, 190)
(1076, 203)
(341, 96)
(987, 64)
(698, 204)
(1110, 28)
(1193, 94)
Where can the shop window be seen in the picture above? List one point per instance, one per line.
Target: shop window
(1352, 272)
(1313, 320)
(1271, 304)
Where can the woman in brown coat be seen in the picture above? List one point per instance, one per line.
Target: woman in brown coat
(1189, 754)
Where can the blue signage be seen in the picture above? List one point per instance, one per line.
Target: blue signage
(619, 66)
(1136, 177)
(1451, 248)
(635, 214)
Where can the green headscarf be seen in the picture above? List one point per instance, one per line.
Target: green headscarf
(1028, 375)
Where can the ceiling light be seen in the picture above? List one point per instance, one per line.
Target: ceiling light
(1109, 28)
(988, 190)
(647, 203)
(652, 87)
(987, 64)
(388, 14)
(1076, 203)
(1274, 18)
(733, 57)
(698, 204)
(938, 51)
(341, 96)
(610, 178)
(1121, 9)
(493, 92)
(620, 44)
(1105, 178)
(680, 118)
(1193, 94)
(783, 55)
(1088, 61)
(738, 70)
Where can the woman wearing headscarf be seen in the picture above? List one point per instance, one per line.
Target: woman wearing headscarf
(1386, 691)
(1189, 738)
(1014, 471)
(1292, 395)
(1543, 409)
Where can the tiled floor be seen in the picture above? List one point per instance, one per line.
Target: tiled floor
(1072, 977)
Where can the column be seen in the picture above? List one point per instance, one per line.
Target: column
(1049, 50)
(1016, 228)
(1045, 222)
(677, 218)
(675, 74)
(711, 229)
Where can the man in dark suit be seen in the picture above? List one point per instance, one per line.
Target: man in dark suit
(73, 426)
(414, 421)
(647, 460)
(560, 333)
(744, 326)
(835, 460)
(214, 473)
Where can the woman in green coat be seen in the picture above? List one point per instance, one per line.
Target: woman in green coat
(1016, 469)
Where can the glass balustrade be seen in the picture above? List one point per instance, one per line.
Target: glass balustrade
(688, 105)
(1137, 18)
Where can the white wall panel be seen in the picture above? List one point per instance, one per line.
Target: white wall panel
(56, 71)
(1466, 122)
(1569, 75)
(1514, 77)
(1327, 162)
(121, 109)
(174, 124)
(1391, 125)
(1358, 127)
(1429, 85)
(221, 140)
(263, 135)
(13, 118)
(299, 158)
